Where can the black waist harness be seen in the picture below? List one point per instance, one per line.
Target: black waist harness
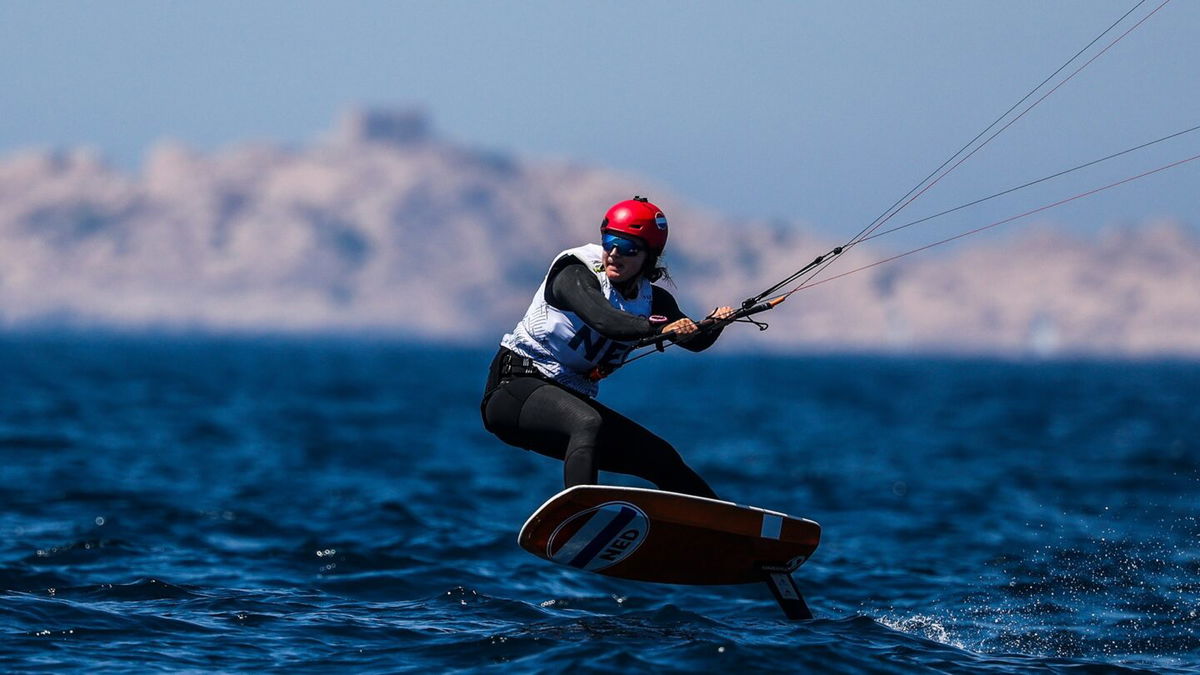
(513, 365)
(507, 365)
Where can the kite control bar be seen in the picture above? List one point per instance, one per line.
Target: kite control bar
(748, 308)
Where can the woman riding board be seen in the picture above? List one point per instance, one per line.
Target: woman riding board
(595, 303)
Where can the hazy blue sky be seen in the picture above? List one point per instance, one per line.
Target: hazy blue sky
(818, 111)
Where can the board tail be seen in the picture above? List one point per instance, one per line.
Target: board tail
(783, 587)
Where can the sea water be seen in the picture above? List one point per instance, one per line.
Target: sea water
(192, 504)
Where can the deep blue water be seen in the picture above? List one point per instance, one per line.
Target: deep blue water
(236, 505)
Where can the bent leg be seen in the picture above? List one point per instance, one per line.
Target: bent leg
(549, 420)
(627, 447)
(533, 414)
(551, 409)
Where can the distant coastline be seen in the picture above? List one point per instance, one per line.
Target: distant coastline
(382, 229)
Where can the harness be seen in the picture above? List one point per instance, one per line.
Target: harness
(514, 365)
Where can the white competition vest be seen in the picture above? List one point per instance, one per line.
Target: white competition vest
(561, 345)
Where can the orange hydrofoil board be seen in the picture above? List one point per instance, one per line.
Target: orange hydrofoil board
(671, 538)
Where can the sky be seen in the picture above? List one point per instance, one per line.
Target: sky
(821, 113)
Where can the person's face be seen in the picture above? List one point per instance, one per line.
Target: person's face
(623, 257)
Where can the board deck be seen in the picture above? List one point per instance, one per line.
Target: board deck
(666, 537)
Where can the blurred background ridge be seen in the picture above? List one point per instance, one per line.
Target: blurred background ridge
(385, 228)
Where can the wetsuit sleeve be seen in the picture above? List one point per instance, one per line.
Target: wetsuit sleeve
(573, 288)
(664, 303)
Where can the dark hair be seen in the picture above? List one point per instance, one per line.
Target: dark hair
(655, 269)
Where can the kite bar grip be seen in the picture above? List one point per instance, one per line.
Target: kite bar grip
(658, 340)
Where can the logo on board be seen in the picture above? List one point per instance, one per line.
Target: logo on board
(599, 537)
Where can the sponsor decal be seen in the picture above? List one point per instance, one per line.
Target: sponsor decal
(785, 586)
(660, 220)
(796, 562)
(597, 349)
(599, 537)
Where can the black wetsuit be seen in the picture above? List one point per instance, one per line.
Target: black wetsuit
(535, 413)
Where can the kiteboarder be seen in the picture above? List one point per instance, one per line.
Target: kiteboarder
(595, 303)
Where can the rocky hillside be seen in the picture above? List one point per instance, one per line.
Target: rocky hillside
(383, 227)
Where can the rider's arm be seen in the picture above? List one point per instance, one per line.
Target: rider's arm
(574, 288)
(665, 305)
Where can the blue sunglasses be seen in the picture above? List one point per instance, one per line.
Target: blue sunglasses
(625, 247)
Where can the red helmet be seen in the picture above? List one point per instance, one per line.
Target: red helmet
(637, 217)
